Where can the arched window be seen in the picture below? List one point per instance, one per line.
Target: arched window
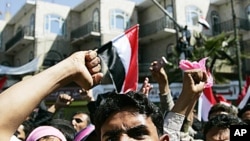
(55, 24)
(52, 58)
(119, 20)
(193, 14)
(96, 20)
(215, 19)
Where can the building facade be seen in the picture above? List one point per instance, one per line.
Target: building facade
(38, 30)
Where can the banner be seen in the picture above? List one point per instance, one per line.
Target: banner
(27, 68)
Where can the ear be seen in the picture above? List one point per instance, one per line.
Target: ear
(164, 137)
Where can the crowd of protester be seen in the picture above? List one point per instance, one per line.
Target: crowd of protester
(112, 116)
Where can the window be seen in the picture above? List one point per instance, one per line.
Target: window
(248, 12)
(169, 22)
(55, 24)
(96, 20)
(215, 19)
(52, 58)
(193, 14)
(169, 8)
(32, 24)
(119, 20)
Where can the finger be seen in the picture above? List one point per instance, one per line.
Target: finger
(205, 77)
(94, 62)
(97, 78)
(95, 69)
(91, 55)
(200, 86)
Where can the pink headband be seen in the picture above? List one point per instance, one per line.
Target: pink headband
(42, 131)
(84, 133)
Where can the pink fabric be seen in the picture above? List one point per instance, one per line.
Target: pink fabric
(42, 131)
(187, 65)
(84, 133)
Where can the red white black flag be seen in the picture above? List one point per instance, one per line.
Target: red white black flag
(121, 57)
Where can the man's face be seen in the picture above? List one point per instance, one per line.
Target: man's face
(218, 134)
(127, 125)
(79, 121)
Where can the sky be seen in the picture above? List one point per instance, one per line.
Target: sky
(14, 5)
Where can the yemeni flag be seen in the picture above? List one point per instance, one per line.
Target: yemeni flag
(120, 58)
(243, 97)
(206, 101)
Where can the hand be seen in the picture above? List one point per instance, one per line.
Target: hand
(87, 95)
(159, 75)
(194, 82)
(146, 87)
(88, 68)
(63, 100)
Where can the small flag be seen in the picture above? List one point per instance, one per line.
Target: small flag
(121, 59)
(243, 97)
(206, 101)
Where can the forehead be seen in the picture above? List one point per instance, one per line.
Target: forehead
(216, 133)
(125, 120)
(246, 115)
(80, 115)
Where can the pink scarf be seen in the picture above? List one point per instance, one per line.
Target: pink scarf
(187, 65)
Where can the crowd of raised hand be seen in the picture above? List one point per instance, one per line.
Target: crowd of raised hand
(112, 116)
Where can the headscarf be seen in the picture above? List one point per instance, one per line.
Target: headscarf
(42, 131)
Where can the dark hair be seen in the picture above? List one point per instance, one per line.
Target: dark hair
(115, 102)
(65, 127)
(243, 110)
(221, 107)
(222, 121)
(28, 128)
(88, 117)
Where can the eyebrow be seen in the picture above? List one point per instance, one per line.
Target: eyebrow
(130, 131)
(141, 128)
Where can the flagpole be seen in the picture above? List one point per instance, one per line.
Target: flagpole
(237, 47)
(166, 13)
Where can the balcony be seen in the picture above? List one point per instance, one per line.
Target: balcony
(218, 2)
(157, 29)
(88, 31)
(227, 26)
(22, 38)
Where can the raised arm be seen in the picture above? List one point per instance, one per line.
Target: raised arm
(18, 101)
(193, 85)
(160, 76)
(63, 100)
